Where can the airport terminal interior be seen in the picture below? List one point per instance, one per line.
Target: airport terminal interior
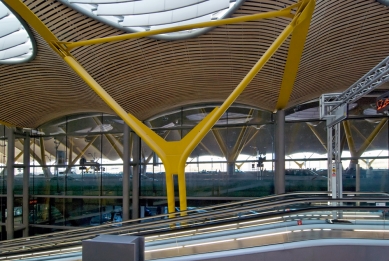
(119, 116)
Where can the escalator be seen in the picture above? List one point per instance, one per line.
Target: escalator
(272, 220)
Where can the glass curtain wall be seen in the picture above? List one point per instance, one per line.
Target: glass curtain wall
(76, 163)
(305, 156)
(234, 160)
(367, 150)
(364, 146)
(18, 163)
(76, 172)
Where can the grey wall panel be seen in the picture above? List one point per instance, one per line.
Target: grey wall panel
(313, 250)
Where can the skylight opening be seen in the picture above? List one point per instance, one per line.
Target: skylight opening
(16, 43)
(145, 15)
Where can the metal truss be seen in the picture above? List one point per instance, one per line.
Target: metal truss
(334, 162)
(333, 106)
(331, 110)
(371, 80)
(334, 165)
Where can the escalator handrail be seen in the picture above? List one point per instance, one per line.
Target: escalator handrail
(193, 218)
(240, 203)
(10, 249)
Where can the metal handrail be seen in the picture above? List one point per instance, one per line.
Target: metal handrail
(28, 244)
(183, 213)
(176, 213)
(186, 231)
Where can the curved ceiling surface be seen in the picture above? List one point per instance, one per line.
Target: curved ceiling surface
(148, 76)
(16, 44)
(145, 15)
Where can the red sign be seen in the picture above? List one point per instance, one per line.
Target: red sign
(299, 222)
(382, 102)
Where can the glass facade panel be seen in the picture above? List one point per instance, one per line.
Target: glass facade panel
(112, 184)
(73, 211)
(18, 211)
(19, 150)
(306, 179)
(153, 184)
(18, 184)
(306, 156)
(250, 183)
(368, 148)
(82, 156)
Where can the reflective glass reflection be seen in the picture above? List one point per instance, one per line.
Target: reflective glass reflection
(73, 212)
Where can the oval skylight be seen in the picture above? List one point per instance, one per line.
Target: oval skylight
(144, 15)
(16, 45)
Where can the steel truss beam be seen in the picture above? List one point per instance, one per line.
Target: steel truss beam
(175, 153)
(333, 108)
(370, 81)
(334, 163)
(334, 105)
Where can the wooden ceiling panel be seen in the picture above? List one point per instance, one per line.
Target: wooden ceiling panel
(43, 89)
(147, 76)
(345, 41)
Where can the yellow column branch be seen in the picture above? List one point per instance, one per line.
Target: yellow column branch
(175, 153)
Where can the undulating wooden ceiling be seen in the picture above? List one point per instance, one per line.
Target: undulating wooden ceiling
(148, 76)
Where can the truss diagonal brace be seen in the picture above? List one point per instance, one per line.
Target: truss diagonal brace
(333, 106)
(370, 81)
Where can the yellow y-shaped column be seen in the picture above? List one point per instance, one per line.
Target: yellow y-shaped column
(175, 153)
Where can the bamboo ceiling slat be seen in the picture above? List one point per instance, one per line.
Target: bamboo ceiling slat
(148, 76)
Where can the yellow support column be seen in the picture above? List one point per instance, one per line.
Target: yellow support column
(182, 189)
(296, 47)
(170, 190)
(371, 137)
(174, 154)
(350, 141)
(318, 136)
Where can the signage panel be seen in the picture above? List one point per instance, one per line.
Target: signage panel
(382, 103)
